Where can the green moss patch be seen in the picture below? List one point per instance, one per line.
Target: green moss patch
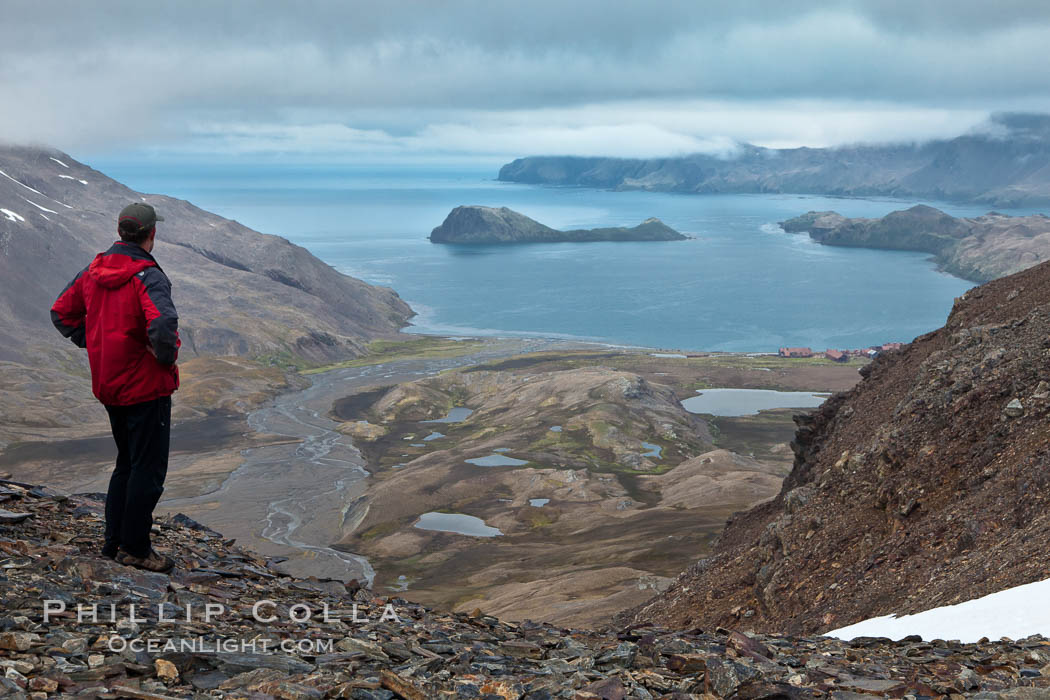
(419, 348)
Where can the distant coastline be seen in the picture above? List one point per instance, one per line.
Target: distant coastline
(998, 170)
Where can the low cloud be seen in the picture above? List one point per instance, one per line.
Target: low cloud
(628, 130)
(633, 79)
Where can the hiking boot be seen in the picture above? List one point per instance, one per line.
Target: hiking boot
(110, 552)
(151, 562)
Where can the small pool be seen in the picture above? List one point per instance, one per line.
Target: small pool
(433, 436)
(456, 415)
(496, 461)
(748, 402)
(555, 428)
(457, 523)
(502, 449)
(539, 502)
(654, 450)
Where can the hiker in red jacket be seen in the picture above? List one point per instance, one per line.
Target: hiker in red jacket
(119, 308)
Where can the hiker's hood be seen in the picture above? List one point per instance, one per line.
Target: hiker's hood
(119, 264)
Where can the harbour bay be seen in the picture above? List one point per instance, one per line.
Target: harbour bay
(739, 284)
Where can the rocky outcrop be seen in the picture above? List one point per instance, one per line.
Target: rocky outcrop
(925, 485)
(1003, 166)
(978, 249)
(238, 292)
(473, 224)
(269, 635)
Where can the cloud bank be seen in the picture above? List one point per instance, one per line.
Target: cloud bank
(403, 79)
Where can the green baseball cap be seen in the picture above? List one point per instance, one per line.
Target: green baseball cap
(142, 215)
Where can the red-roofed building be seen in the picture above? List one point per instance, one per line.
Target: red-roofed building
(795, 352)
(892, 346)
(837, 356)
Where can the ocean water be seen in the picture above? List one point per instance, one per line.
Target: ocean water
(741, 284)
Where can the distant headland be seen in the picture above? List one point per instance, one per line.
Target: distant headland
(1001, 165)
(978, 249)
(475, 224)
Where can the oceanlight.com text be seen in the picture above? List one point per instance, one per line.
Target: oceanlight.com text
(201, 645)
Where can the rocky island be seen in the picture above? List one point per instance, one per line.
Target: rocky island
(978, 249)
(476, 224)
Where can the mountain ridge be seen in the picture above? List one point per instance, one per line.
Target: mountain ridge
(238, 292)
(1005, 164)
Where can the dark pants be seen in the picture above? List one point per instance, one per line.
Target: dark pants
(142, 433)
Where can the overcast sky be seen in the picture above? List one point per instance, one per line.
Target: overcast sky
(491, 79)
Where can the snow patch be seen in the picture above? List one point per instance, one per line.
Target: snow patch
(32, 190)
(59, 162)
(10, 215)
(23, 184)
(70, 177)
(1016, 613)
(49, 211)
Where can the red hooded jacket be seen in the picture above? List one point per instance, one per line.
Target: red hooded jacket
(120, 309)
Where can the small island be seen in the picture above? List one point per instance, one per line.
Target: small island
(475, 224)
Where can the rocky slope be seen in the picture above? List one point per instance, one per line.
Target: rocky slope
(332, 639)
(1006, 165)
(978, 249)
(925, 485)
(474, 224)
(238, 292)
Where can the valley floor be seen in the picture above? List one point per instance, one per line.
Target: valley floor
(630, 490)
